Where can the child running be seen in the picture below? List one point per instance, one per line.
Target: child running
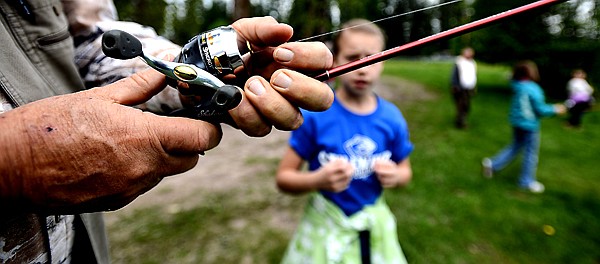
(527, 108)
(354, 150)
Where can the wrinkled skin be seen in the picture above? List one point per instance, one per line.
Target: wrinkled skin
(91, 151)
(278, 106)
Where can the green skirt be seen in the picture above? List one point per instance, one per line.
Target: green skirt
(327, 235)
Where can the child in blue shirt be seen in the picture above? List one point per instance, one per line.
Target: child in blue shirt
(354, 150)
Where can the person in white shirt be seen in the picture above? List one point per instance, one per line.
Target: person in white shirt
(580, 97)
(464, 81)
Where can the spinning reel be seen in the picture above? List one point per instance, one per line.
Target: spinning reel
(196, 72)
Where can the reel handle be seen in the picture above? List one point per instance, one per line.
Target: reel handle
(191, 73)
(121, 45)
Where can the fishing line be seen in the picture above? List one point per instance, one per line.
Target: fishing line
(382, 19)
(444, 35)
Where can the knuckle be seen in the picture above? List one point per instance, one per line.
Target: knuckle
(269, 19)
(257, 130)
(291, 123)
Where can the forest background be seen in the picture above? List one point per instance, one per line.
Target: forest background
(559, 39)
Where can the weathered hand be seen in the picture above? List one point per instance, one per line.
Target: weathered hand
(90, 151)
(275, 102)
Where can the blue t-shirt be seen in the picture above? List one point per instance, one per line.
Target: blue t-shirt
(360, 139)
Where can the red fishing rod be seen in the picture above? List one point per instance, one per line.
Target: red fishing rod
(214, 54)
(457, 31)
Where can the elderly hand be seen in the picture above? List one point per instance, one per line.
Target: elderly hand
(275, 102)
(90, 151)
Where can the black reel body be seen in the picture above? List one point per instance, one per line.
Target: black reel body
(197, 72)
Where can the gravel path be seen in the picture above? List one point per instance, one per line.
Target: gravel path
(230, 166)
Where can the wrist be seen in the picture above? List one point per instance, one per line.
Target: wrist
(316, 180)
(404, 178)
(13, 146)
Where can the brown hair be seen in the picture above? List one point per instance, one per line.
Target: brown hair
(357, 25)
(526, 70)
(579, 73)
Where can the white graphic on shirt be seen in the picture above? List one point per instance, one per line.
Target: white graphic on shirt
(360, 153)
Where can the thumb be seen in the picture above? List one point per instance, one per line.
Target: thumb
(179, 135)
(263, 31)
(135, 89)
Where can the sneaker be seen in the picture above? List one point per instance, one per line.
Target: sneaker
(535, 187)
(488, 171)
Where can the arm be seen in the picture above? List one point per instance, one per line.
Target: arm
(334, 176)
(91, 151)
(455, 80)
(392, 174)
(541, 108)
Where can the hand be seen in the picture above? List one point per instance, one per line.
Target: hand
(276, 102)
(560, 109)
(89, 151)
(335, 176)
(391, 174)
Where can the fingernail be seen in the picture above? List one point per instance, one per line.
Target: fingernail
(283, 55)
(282, 81)
(256, 87)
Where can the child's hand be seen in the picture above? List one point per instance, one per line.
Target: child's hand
(391, 174)
(560, 109)
(335, 176)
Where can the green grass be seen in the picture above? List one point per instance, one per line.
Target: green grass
(448, 214)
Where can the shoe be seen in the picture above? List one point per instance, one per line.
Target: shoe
(535, 187)
(488, 171)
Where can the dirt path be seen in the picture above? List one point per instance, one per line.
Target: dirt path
(229, 166)
(223, 168)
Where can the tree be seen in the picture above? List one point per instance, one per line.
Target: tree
(408, 28)
(451, 16)
(241, 8)
(268, 8)
(216, 15)
(310, 18)
(552, 38)
(187, 23)
(522, 37)
(367, 9)
(146, 12)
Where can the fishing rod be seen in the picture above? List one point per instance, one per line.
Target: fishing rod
(211, 55)
(444, 35)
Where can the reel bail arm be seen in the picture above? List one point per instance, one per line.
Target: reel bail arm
(195, 72)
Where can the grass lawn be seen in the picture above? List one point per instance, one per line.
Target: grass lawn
(448, 214)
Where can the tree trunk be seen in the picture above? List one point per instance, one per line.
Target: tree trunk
(241, 9)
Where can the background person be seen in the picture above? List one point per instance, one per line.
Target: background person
(464, 80)
(354, 149)
(528, 106)
(580, 97)
(88, 20)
